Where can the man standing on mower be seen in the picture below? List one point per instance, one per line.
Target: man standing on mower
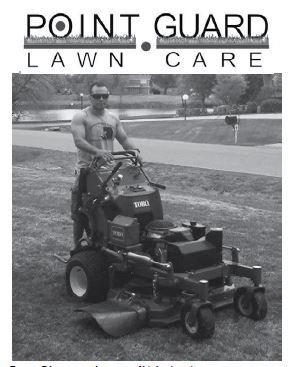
(94, 130)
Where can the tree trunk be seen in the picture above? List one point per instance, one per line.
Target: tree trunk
(203, 97)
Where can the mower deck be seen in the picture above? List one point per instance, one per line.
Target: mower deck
(124, 312)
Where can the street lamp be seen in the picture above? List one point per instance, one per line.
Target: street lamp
(184, 99)
(81, 100)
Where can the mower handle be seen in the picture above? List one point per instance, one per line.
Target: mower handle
(134, 153)
(127, 154)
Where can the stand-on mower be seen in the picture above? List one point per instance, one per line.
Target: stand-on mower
(142, 270)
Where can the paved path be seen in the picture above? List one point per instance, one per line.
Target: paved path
(264, 160)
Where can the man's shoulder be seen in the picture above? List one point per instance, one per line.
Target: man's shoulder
(80, 115)
(111, 116)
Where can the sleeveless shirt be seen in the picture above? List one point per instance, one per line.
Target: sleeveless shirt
(100, 131)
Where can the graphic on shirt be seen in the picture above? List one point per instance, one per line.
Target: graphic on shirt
(101, 135)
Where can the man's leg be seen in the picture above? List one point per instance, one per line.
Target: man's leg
(78, 230)
(77, 216)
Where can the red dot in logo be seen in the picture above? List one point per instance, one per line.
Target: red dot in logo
(146, 46)
(60, 25)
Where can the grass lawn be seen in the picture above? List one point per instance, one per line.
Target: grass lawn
(252, 132)
(44, 324)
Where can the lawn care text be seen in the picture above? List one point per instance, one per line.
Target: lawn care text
(173, 60)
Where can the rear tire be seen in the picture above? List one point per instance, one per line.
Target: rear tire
(204, 325)
(87, 276)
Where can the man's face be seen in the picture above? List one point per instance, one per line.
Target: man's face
(99, 97)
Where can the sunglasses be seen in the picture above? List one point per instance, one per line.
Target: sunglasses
(100, 96)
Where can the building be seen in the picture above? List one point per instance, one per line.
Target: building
(138, 84)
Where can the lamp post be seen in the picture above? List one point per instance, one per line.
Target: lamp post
(184, 99)
(81, 100)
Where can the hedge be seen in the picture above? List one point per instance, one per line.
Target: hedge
(271, 105)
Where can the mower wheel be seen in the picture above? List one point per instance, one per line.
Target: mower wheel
(87, 276)
(250, 303)
(204, 324)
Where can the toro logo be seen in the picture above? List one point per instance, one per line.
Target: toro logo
(117, 233)
(141, 204)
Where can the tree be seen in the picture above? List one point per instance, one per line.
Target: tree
(272, 87)
(58, 81)
(120, 82)
(202, 84)
(229, 88)
(31, 88)
(80, 83)
(164, 81)
(277, 82)
(255, 83)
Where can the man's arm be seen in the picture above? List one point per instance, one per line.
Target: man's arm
(122, 137)
(125, 141)
(79, 136)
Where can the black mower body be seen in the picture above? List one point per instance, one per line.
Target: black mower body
(145, 269)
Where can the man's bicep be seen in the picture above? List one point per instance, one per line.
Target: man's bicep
(120, 133)
(77, 128)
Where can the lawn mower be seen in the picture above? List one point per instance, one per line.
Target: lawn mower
(139, 269)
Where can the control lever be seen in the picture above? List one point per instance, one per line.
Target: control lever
(159, 186)
(115, 169)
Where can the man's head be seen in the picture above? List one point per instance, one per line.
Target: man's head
(98, 96)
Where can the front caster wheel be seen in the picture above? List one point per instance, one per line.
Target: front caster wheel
(198, 323)
(250, 303)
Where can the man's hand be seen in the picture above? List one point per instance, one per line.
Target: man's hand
(139, 159)
(104, 156)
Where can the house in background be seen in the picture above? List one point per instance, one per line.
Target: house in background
(138, 84)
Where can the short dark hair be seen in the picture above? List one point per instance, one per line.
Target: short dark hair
(96, 84)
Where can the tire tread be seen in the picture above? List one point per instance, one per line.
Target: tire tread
(97, 276)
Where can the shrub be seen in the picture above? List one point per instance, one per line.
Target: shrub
(242, 108)
(222, 110)
(234, 110)
(251, 107)
(155, 91)
(266, 92)
(271, 105)
(195, 103)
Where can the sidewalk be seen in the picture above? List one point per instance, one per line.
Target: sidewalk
(252, 160)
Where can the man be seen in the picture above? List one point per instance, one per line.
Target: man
(94, 130)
